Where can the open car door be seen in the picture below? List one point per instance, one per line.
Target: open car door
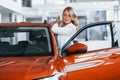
(95, 55)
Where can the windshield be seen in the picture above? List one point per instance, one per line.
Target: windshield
(25, 41)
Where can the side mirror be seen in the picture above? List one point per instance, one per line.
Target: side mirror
(76, 48)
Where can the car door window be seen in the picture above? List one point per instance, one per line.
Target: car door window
(96, 37)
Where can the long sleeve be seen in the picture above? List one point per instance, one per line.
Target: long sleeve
(64, 33)
(66, 30)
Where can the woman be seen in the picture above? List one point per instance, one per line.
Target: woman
(65, 28)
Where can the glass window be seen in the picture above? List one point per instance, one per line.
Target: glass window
(97, 37)
(25, 41)
(26, 3)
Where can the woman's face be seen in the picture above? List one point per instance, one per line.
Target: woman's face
(66, 17)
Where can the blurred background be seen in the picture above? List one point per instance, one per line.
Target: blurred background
(47, 10)
(87, 11)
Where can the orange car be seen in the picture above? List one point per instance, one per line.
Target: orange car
(28, 51)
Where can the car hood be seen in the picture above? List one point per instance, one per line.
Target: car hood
(19, 68)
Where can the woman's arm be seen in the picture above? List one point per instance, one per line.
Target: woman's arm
(68, 29)
(54, 22)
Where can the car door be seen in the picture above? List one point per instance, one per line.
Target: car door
(99, 59)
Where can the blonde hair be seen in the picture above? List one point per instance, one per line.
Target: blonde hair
(72, 15)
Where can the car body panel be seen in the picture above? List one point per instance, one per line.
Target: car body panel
(100, 64)
(94, 65)
(19, 67)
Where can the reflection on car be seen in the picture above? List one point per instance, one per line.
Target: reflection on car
(29, 51)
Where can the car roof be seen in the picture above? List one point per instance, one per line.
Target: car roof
(23, 24)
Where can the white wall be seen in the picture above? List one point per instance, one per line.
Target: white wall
(19, 2)
(0, 17)
(14, 18)
(5, 18)
(83, 8)
(11, 5)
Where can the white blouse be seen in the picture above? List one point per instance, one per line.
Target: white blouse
(64, 33)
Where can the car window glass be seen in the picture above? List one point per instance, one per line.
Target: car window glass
(97, 37)
(25, 41)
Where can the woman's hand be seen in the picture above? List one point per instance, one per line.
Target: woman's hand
(54, 22)
(58, 21)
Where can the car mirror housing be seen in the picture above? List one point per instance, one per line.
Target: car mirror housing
(76, 49)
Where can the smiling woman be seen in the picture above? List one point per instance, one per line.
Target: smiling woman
(66, 27)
